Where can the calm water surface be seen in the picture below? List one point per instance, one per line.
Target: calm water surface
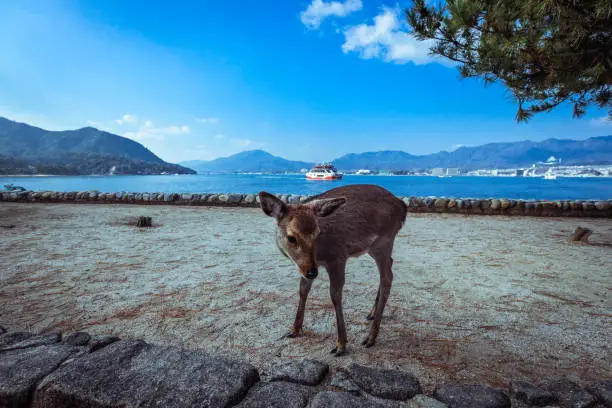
(460, 187)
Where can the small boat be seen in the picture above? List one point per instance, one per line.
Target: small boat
(12, 187)
(324, 171)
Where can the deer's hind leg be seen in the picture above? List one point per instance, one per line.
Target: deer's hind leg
(381, 252)
(370, 315)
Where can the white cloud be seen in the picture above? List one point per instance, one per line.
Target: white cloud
(208, 120)
(220, 136)
(602, 121)
(93, 123)
(318, 10)
(168, 130)
(147, 131)
(144, 132)
(126, 119)
(388, 40)
(138, 129)
(129, 118)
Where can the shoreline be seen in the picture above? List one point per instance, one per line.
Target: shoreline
(301, 174)
(492, 206)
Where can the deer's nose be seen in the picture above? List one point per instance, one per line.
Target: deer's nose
(312, 273)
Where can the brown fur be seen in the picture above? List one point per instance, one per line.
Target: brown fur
(328, 229)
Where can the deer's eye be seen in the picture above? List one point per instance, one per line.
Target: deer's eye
(291, 239)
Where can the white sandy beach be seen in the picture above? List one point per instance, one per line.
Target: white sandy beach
(475, 298)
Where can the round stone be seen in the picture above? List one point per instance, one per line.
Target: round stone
(441, 203)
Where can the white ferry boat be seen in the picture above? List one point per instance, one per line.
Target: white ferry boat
(324, 171)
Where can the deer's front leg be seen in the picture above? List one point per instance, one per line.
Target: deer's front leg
(336, 286)
(305, 285)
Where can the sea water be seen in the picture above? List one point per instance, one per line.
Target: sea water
(537, 188)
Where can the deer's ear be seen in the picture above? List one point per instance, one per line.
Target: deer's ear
(323, 208)
(271, 205)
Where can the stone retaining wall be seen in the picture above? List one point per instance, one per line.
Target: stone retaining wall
(566, 208)
(78, 370)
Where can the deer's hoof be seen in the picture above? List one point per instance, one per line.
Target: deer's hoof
(291, 334)
(370, 316)
(338, 351)
(367, 342)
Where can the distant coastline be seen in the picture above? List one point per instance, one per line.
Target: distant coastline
(461, 187)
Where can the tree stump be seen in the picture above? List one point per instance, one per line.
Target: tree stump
(581, 235)
(144, 222)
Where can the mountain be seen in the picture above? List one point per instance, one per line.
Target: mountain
(82, 151)
(386, 159)
(595, 150)
(250, 161)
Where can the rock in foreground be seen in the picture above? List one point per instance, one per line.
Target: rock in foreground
(136, 374)
(308, 372)
(471, 396)
(22, 369)
(391, 384)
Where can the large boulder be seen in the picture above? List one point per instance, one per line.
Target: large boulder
(249, 199)
(342, 382)
(570, 394)
(77, 339)
(532, 394)
(471, 396)
(309, 372)
(331, 399)
(22, 369)
(97, 342)
(276, 395)
(234, 198)
(15, 341)
(603, 392)
(136, 374)
(441, 203)
(423, 401)
(385, 383)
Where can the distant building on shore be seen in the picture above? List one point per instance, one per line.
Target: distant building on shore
(452, 171)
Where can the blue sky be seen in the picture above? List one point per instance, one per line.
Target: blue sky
(306, 80)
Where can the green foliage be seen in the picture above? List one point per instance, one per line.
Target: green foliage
(72, 164)
(547, 52)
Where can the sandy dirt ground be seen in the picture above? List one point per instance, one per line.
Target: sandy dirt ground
(474, 299)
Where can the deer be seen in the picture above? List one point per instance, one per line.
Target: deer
(326, 230)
